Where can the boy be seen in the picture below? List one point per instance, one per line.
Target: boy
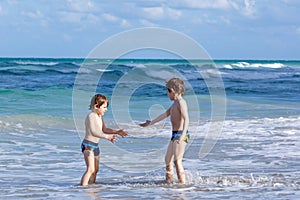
(94, 130)
(178, 113)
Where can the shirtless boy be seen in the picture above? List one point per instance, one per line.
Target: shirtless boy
(94, 130)
(178, 113)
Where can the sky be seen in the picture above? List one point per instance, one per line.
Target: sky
(226, 29)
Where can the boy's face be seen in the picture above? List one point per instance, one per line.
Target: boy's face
(102, 109)
(171, 94)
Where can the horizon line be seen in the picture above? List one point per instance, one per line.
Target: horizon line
(138, 58)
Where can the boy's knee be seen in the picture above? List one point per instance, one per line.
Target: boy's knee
(91, 170)
(178, 162)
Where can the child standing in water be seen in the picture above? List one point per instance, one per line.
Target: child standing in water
(94, 130)
(178, 113)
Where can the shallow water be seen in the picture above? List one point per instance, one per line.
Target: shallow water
(41, 159)
(255, 155)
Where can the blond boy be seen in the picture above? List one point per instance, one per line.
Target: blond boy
(178, 113)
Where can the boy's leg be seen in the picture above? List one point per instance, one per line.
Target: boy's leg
(89, 161)
(169, 165)
(180, 171)
(93, 176)
(169, 174)
(179, 151)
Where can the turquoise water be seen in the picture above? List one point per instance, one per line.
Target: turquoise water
(256, 154)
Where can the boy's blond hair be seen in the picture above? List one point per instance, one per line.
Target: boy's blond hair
(176, 84)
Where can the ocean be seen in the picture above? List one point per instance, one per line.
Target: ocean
(244, 125)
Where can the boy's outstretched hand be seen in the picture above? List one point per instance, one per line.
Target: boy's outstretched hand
(112, 138)
(121, 133)
(147, 123)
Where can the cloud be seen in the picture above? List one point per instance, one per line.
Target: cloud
(244, 7)
(79, 17)
(249, 9)
(109, 17)
(161, 12)
(80, 12)
(173, 13)
(154, 12)
(82, 5)
(34, 15)
(125, 23)
(114, 19)
(206, 20)
(147, 23)
(196, 4)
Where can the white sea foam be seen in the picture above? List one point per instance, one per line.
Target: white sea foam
(274, 65)
(140, 66)
(104, 70)
(254, 65)
(36, 63)
(160, 74)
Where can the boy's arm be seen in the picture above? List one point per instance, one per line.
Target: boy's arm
(95, 128)
(120, 132)
(157, 119)
(185, 117)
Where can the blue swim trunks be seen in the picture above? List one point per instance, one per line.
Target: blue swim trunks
(176, 135)
(91, 146)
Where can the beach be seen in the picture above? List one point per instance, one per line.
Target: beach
(255, 154)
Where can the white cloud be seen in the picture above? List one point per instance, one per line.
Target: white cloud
(80, 11)
(91, 18)
(125, 23)
(82, 5)
(249, 9)
(147, 23)
(212, 17)
(196, 4)
(154, 12)
(79, 18)
(245, 7)
(161, 12)
(109, 17)
(34, 15)
(205, 19)
(114, 19)
(173, 13)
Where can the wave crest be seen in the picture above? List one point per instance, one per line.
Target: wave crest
(275, 65)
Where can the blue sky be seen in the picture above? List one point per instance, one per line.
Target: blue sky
(227, 29)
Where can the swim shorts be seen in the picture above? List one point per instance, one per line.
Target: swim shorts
(91, 146)
(176, 135)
